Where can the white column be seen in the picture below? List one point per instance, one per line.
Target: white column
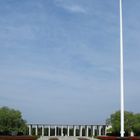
(55, 129)
(74, 130)
(49, 130)
(30, 129)
(36, 130)
(105, 130)
(68, 131)
(80, 131)
(42, 130)
(132, 134)
(86, 130)
(99, 129)
(93, 130)
(61, 130)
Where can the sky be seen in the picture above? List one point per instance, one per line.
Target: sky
(59, 59)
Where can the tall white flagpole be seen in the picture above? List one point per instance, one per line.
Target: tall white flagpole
(121, 74)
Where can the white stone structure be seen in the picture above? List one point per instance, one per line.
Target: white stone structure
(66, 130)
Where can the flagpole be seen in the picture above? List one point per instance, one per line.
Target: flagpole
(121, 74)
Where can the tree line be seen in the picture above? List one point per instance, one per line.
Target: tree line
(131, 123)
(12, 123)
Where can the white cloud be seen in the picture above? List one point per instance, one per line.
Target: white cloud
(71, 7)
(75, 8)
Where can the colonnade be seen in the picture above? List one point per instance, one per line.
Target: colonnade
(66, 130)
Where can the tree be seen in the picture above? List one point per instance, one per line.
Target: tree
(129, 122)
(11, 121)
(136, 127)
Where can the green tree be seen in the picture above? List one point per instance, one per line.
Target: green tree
(136, 127)
(114, 121)
(11, 121)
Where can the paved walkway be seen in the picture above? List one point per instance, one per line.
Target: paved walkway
(65, 138)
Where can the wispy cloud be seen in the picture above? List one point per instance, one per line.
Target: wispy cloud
(75, 8)
(71, 7)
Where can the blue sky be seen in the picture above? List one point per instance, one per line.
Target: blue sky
(59, 59)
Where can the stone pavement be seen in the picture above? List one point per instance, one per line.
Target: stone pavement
(65, 138)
